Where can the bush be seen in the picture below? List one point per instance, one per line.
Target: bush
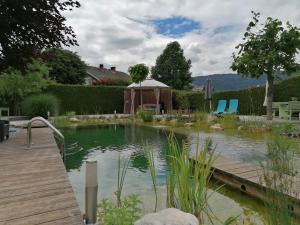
(145, 116)
(40, 105)
(250, 100)
(125, 214)
(88, 99)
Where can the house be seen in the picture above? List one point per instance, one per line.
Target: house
(102, 73)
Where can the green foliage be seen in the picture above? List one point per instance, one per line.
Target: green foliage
(151, 164)
(138, 73)
(66, 67)
(146, 116)
(27, 26)
(279, 164)
(40, 105)
(126, 214)
(250, 100)
(14, 86)
(200, 116)
(172, 68)
(188, 180)
(267, 50)
(88, 99)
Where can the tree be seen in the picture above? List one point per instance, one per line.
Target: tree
(65, 66)
(172, 68)
(27, 27)
(14, 87)
(269, 49)
(138, 73)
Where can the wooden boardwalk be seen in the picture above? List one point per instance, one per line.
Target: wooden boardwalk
(34, 184)
(247, 178)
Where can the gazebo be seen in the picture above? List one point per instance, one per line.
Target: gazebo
(155, 95)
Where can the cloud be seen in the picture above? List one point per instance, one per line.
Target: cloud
(122, 33)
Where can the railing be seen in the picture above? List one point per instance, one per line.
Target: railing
(57, 132)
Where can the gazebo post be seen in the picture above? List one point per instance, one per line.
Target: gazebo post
(157, 95)
(132, 95)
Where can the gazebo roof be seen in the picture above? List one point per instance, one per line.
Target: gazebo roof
(148, 83)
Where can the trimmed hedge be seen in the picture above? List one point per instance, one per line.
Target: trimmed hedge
(250, 100)
(88, 99)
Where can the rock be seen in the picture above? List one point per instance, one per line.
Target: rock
(188, 124)
(216, 126)
(73, 119)
(168, 216)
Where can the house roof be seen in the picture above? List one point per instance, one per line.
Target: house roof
(104, 73)
(148, 83)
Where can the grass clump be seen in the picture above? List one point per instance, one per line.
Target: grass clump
(146, 116)
(40, 105)
(279, 179)
(188, 180)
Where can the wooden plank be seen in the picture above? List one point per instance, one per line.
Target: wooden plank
(34, 187)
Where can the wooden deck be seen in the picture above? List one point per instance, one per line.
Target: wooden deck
(34, 185)
(247, 178)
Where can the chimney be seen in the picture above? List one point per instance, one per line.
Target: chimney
(113, 68)
(101, 66)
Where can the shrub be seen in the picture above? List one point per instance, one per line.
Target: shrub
(146, 116)
(40, 105)
(125, 214)
(88, 99)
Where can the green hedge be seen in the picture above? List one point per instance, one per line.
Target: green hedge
(88, 99)
(250, 100)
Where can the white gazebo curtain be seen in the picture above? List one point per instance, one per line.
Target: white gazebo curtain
(132, 95)
(157, 96)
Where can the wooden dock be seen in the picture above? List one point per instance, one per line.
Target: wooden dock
(34, 184)
(247, 178)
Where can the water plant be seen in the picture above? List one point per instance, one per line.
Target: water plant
(279, 178)
(122, 170)
(125, 214)
(145, 116)
(188, 180)
(150, 157)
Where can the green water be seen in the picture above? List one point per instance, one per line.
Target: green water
(105, 143)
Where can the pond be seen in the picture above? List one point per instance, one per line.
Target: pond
(105, 143)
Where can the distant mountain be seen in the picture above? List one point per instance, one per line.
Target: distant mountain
(229, 81)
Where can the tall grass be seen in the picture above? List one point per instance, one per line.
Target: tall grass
(188, 180)
(122, 170)
(150, 157)
(279, 179)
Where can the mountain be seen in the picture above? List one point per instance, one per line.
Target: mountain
(229, 81)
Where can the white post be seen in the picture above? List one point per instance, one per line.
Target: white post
(91, 189)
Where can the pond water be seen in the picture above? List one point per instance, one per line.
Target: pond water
(105, 143)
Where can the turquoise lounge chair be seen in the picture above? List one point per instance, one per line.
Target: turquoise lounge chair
(221, 107)
(233, 106)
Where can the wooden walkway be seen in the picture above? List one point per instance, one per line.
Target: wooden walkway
(247, 178)
(34, 185)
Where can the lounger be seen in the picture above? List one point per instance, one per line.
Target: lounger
(233, 106)
(221, 107)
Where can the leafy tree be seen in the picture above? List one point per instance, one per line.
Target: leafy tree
(267, 50)
(138, 73)
(173, 68)
(30, 26)
(65, 66)
(14, 87)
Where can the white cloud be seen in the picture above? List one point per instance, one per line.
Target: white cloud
(112, 32)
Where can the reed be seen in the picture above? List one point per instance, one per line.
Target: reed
(188, 180)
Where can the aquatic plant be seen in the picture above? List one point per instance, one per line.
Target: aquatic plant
(188, 180)
(145, 116)
(279, 178)
(152, 169)
(125, 214)
(122, 170)
(200, 116)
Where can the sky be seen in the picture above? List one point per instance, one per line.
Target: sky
(122, 33)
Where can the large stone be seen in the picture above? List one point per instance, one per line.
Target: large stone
(168, 216)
